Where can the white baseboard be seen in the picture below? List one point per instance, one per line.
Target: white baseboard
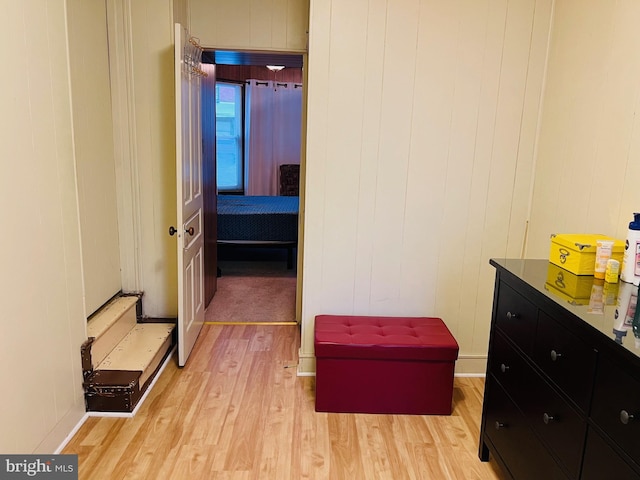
(71, 434)
(471, 365)
(306, 364)
(69, 423)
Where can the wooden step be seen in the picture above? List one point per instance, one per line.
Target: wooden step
(121, 379)
(142, 349)
(110, 325)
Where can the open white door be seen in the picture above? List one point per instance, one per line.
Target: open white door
(189, 193)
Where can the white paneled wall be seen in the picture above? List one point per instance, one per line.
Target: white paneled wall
(277, 25)
(588, 165)
(93, 139)
(151, 158)
(422, 119)
(41, 293)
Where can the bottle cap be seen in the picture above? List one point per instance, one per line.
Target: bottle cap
(635, 225)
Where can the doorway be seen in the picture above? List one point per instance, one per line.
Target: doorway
(257, 280)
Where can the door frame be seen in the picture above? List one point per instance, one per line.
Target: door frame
(303, 162)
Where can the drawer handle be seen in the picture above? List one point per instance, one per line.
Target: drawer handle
(555, 355)
(547, 419)
(512, 316)
(500, 425)
(626, 417)
(504, 368)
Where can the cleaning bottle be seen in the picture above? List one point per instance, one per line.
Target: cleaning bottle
(635, 325)
(625, 312)
(630, 272)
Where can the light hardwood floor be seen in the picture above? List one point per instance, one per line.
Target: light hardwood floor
(238, 411)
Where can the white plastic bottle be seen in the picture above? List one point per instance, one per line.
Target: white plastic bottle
(630, 272)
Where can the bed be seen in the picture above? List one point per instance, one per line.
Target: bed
(259, 220)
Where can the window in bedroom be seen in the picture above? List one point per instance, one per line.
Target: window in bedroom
(229, 137)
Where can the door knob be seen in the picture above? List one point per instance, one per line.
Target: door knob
(546, 418)
(189, 230)
(172, 231)
(555, 355)
(626, 417)
(511, 316)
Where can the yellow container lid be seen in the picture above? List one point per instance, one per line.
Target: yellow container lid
(585, 242)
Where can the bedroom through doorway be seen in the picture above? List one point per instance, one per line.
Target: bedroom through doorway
(258, 150)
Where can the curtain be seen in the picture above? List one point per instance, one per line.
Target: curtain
(273, 119)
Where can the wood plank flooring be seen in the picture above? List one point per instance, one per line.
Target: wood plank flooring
(238, 411)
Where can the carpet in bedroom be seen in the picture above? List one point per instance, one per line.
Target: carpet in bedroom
(248, 293)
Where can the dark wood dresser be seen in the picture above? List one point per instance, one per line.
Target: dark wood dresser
(562, 394)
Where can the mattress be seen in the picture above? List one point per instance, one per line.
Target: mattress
(258, 218)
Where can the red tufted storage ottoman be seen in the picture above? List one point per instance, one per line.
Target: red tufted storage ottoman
(401, 365)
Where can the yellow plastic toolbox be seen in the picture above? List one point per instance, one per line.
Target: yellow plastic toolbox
(577, 252)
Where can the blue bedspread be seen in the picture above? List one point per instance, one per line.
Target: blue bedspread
(258, 218)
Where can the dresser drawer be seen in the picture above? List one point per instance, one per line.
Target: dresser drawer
(616, 406)
(568, 361)
(516, 317)
(510, 435)
(602, 462)
(554, 420)
(510, 369)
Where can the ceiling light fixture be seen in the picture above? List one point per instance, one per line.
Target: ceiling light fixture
(275, 68)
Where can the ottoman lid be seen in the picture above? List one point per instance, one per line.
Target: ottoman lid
(399, 338)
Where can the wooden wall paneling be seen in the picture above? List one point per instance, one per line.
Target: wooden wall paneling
(261, 21)
(532, 102)
(476, 306)
(430, 139)
(616, 122)
(368, 175)
(401, 35)
(94, 150)
(588, 138)
(501, 192)
(297, 24)
(251, 24)
(628, 170)
(439, 144)
(513, 71)
(209, 184)
(44, 206)
(525, 38)
(279, 21)
(341, 193)
(586, 111)
(152, 47)
(42, 289)
(316, 172)
(466, 23)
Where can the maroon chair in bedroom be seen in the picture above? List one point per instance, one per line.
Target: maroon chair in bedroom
(290, 180)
